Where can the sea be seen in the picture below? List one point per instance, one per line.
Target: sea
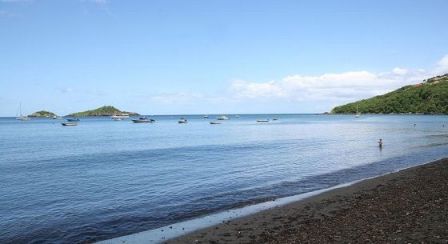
(104, 179)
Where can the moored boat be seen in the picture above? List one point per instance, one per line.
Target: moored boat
(223, 117)
(73, 120)
(69, 124)
(215, 123)
(263, 121)
(118, 117)
(182, 121)
(143, 120)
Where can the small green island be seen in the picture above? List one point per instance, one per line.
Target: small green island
(42, 114)
(428, 97)
(102, 111)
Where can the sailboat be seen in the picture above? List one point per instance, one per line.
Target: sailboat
(357, 112)
(21, 117)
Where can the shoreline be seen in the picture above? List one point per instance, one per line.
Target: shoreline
(243, 225)
(409, 205)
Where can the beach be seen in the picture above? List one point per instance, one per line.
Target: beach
(408, 206)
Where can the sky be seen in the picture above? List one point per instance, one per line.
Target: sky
(214, 57)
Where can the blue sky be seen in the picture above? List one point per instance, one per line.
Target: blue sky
(223, 56)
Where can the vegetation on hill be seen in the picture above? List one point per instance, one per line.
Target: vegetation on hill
(429, 97)
(42, 114)
(102, 111)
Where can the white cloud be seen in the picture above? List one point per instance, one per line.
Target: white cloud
(345, 86)
(399, 71)
(442, 66)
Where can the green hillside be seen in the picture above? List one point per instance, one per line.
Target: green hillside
(42, 114)
(429, 97)
(102, 111)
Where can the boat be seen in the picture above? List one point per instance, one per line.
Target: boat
(205, 117)
(263, 121)
(358, 114)
(73, 120)
(118, 117)
(21, 117)
(223, 117)
(215, 123)
(182, 121)
(274, 119)
(143, 120)
(69, 124)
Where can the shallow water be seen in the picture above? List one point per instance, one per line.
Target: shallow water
(103, 178)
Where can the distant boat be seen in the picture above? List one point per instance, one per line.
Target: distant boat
(69, 124)
(118, 117)
(358, 114)
(21, 117)
(274, 119)
(262, 120)
(182, 121)
(73, 120)
(215, 123)
(223, 117)
(143, 120)
(205, 117)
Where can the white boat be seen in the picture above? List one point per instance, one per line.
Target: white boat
(182, 121)
(69, 124)
(223, 117)
(358, 114)
(21, 117)
(263, 121)
(118, 117)
(205, 117)
(215, 123)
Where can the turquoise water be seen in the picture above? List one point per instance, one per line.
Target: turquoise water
(104, 178)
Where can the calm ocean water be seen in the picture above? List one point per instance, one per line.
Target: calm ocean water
(104, 178)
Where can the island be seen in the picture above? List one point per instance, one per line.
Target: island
(42, 114)
(102, 111)
(427, 97)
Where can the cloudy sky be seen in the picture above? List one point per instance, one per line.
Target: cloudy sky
(223, 56)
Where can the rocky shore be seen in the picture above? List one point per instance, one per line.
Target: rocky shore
(410, 206)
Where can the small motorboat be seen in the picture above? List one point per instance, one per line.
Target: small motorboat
(215, 123)
(205, 117)
(263, 121)
(182, 121)
(223, 117)
(73, 120)
(69, 124)
(274, 119)
(143, 120)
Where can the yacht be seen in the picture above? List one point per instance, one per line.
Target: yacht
(21, 116)
(223, 117)
(143, 120)
(182, 121)
(118, 117)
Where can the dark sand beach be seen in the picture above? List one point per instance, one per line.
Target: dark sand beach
(410, 206)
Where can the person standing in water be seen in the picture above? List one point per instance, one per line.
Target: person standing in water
(380, 143)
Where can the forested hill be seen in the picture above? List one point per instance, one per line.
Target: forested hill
(428, 97)
(102, 111)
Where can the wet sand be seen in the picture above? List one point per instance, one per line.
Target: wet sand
(409, 206)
